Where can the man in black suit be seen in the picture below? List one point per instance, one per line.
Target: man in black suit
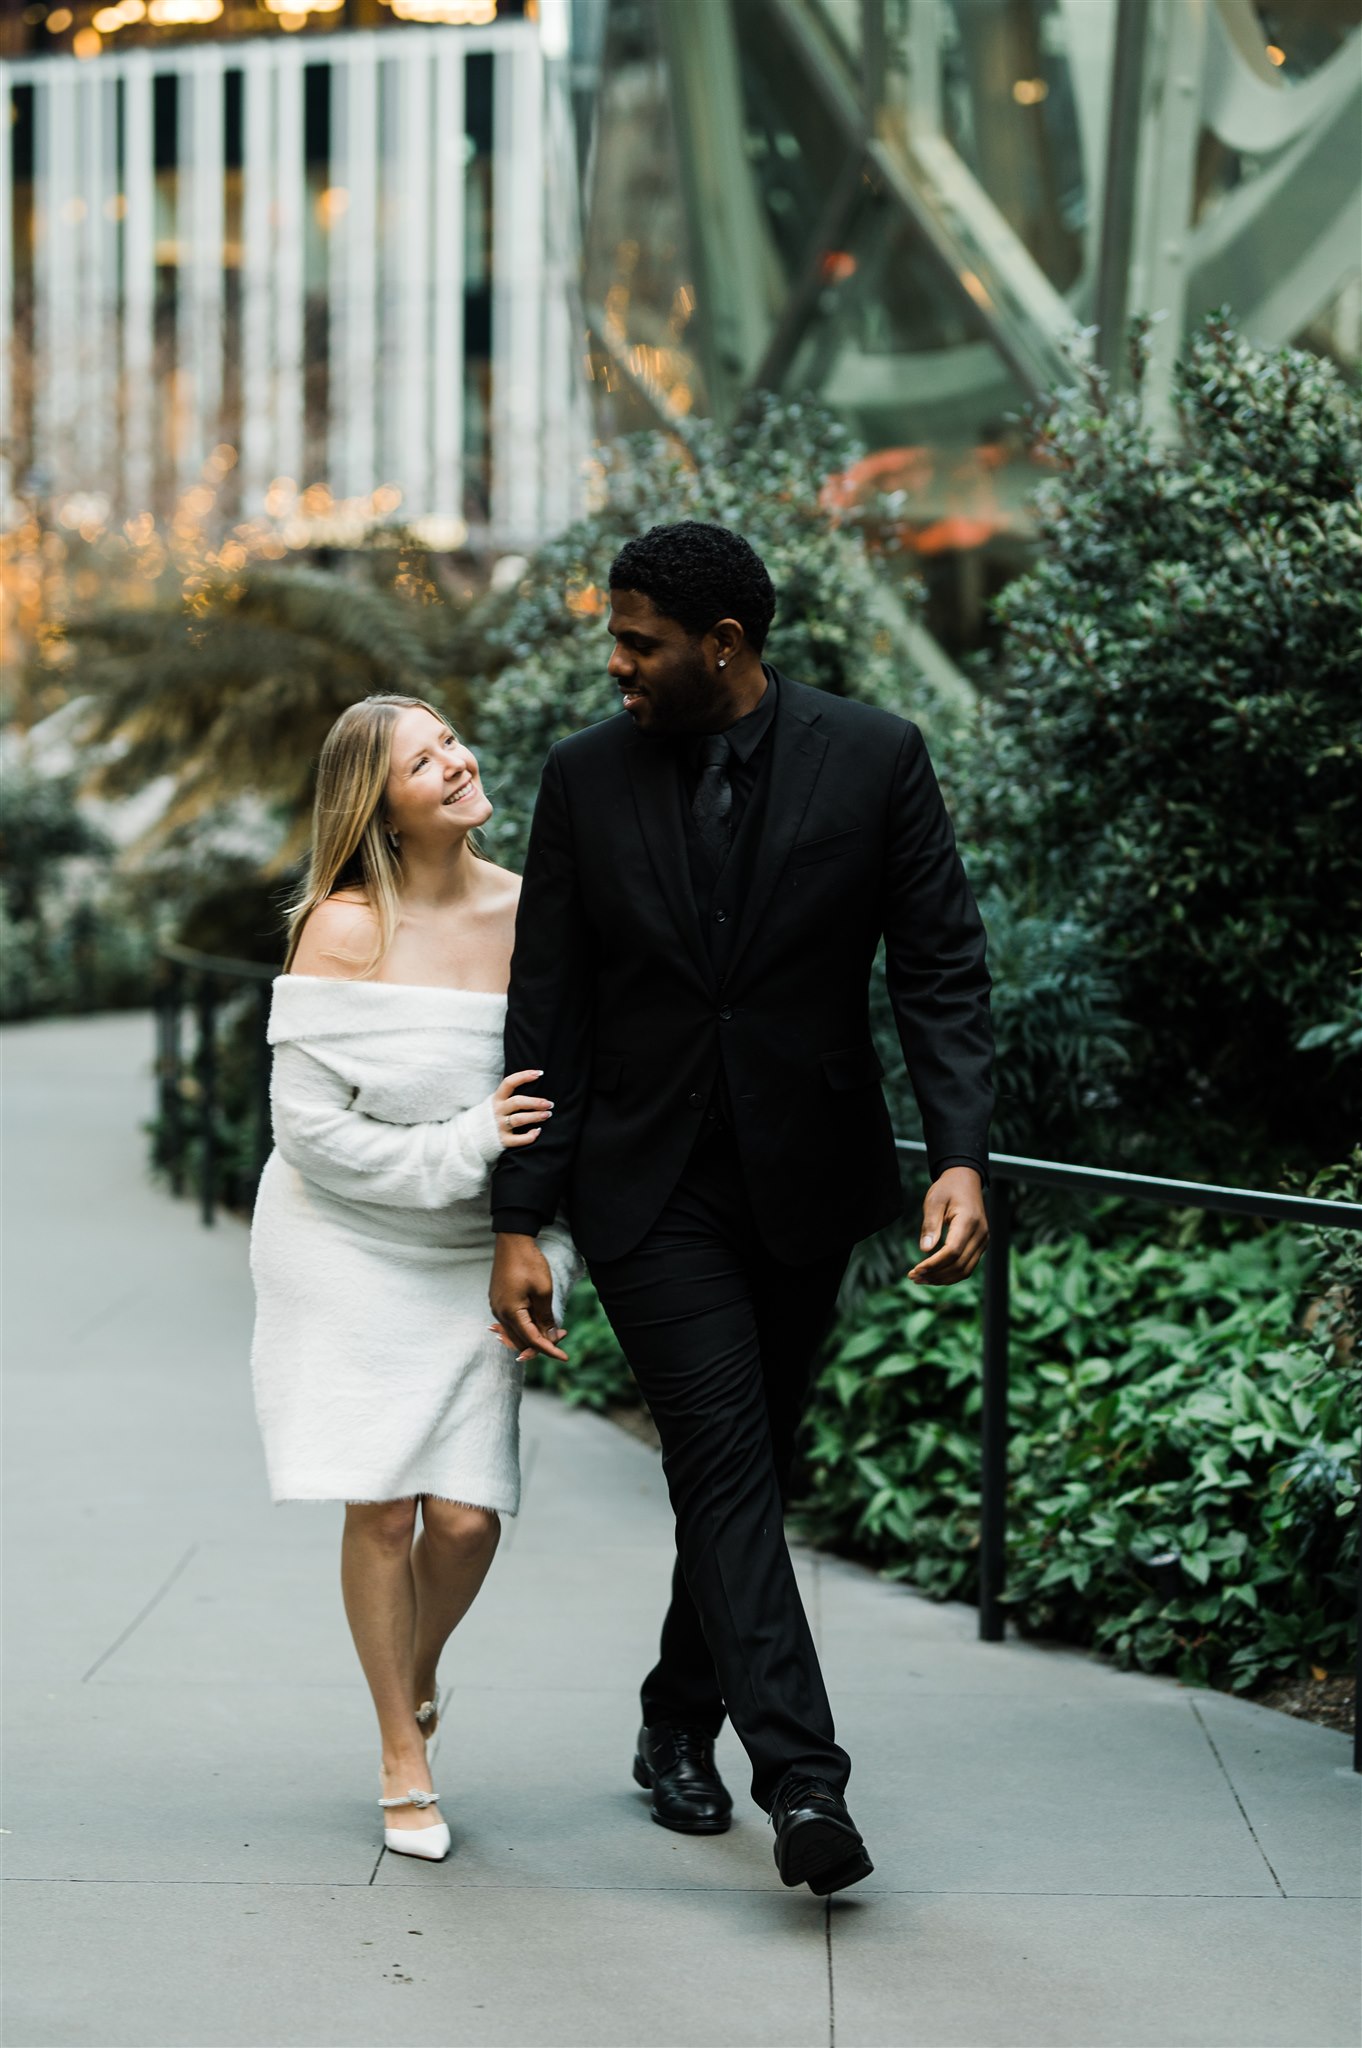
(709, 876)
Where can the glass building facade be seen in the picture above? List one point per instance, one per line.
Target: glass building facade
(916, 210)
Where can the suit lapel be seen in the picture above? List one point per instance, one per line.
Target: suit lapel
(657, 799)
(797, 753)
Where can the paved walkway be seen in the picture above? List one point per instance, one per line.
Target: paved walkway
(1065, 1855)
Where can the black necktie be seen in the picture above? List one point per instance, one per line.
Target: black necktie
(712, 805)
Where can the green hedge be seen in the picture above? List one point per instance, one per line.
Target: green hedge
(1183, 1459)
(1170, 763)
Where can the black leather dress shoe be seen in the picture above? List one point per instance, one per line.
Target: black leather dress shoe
(817, 1841)
(676, 1765)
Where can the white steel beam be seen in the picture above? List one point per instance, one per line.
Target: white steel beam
(1170, 129)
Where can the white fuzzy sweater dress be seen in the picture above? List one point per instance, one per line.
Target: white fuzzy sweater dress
(376, 1377)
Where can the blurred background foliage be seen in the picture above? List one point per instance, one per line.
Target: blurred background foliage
(70, 940)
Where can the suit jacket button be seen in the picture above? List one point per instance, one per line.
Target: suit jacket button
(725, 1013)
(695, 1100)
(721, 917)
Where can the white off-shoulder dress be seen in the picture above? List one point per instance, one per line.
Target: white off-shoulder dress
(376, 1377)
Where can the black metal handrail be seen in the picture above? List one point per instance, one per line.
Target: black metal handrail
(188, 1088)
(1007, 1170)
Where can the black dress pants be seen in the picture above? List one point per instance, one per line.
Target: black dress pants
(721, 1338)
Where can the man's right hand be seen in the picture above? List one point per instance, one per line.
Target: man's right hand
(521, 1295)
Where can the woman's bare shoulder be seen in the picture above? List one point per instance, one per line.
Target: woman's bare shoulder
(338, 938)
(502, 887)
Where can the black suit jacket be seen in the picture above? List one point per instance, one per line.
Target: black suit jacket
(614, 995)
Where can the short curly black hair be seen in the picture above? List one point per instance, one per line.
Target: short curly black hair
(697, 574)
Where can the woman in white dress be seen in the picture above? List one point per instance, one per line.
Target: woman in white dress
(378, 1381)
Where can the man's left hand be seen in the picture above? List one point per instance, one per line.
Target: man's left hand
(954, 1228)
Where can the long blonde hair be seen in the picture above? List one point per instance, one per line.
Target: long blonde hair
(351, 848)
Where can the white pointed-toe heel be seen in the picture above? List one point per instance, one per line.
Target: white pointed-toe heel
(428, 1714)
(431, 1844)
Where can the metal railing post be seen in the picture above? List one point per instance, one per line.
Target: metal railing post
(1357, 1695)
(202, 982)
(161, 1007)
(993, 1421)
(172, 1101)
(208, 1097)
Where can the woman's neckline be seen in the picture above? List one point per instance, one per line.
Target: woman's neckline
(425, 988)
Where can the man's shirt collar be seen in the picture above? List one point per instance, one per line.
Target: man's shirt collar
(748, 732)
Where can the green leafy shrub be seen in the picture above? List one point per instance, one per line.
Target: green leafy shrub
(1181, 1467)
(839, 620)
(239, 1145)
(70, 938)
(1175, 760)
(1335, 1318)
(596, 1375)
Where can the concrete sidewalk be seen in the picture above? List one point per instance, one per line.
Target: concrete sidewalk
(1065, 1855)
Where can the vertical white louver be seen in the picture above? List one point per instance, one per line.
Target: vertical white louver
(353, 217)
(59, 267)
(7, 361)
(413, 166)
(320, 329)
(517, 288)
(290, 204)
(446, 341)
(257, 447)
(138, 304)
(199, 235)
(97, 280)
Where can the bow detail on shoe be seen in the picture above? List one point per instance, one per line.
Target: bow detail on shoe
(413, 1798)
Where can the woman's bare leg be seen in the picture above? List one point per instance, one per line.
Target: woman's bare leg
(452, 1556)
(380, 1605)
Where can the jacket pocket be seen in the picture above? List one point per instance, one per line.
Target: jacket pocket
(859, 1068)
(804, 854)
(607, 1071)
